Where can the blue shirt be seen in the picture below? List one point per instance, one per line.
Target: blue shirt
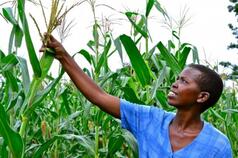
(150, 126)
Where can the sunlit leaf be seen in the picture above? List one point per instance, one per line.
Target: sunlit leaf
(103, 57)
(169, 58)
(149, 6)
(138, 28)
(7, 12)
(12, 138)
(114, 144)
(31, 50)
(136, 59)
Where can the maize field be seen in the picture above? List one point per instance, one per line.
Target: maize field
(46, 116)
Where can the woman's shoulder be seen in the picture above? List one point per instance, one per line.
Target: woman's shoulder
(219, 139)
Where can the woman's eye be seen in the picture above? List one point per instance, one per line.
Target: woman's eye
(184, 81)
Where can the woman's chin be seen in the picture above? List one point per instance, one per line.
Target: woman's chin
(171, 103)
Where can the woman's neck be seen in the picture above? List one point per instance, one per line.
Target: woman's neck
(187, 121)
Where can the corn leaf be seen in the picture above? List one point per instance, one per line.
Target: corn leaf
(25, 74)
(131, 141)
(149, 6)
(169, 58)
(103, 57)
(1, 55)
(7, 12)
(11, 39)
(45, 63)
(183, 55)
(16, 32)
(130, 95)
(86, 55)
(117, 44)
(137, 27)
(12, 80)
(8, 62)
(4, 152)
(12, 138)
(136, 59)
(44, 147)
(31, 50)
(114, 144)
(159, 81)
(160, 9)
(18, 36)
(195, 55)
(15, 100)
(65, 100)
(42, 94)
(161, 98)
(85, 141)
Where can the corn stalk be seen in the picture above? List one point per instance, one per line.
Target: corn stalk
(56, 16)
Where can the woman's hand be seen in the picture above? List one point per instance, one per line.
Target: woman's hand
(58, 50)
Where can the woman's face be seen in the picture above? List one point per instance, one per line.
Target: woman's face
(185, 90)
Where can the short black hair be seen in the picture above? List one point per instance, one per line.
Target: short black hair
(210, 82)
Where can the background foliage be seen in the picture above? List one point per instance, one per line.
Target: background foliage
(47, 117)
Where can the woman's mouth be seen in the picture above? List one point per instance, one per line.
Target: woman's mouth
(171, 94)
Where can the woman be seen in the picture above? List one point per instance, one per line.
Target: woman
(159, 133)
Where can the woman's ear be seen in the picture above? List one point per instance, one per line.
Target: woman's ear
(203, 96)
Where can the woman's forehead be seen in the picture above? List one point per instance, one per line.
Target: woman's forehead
(190, 73)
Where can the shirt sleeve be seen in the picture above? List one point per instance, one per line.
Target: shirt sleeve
(226, 152)
(135, 117)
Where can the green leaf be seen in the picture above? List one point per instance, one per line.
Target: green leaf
(15, 100)
(114, 144)
(137, 27)
(85, 141)
(45, 63)
(65, 101)
(159, 81)
(103, 57)
(131, 141)
(18, 36)
(161, 97)
(7, 12)
(136, 59)
(160, 9)
(31, 50)
(16, 30)
(149, 7)
(86, 55)
(44, 147)
(11, 39)
(2, 55)
(195, 55)
(117, 44)
(42, 94)
(25, 74)
(183, 55)
(96, 35)
(4, 152)
(216, 114)
(174, 33)
(8, 62)
(12, 80)
(12, 138)
(169, 58)
(130, 95)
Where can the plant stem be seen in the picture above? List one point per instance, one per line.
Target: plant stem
(96, 140)
(23, 126)
(34, 86)
(146, 39)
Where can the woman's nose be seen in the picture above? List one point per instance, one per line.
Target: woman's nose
(175, 85)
